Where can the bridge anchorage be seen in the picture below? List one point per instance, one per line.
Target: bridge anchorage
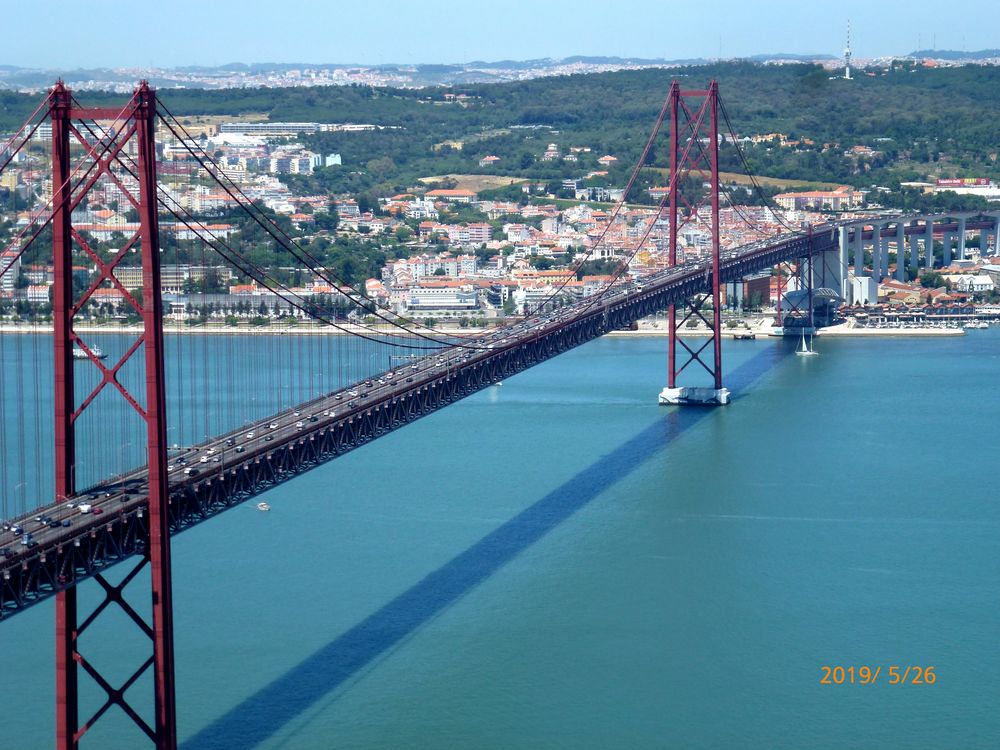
(807, 294)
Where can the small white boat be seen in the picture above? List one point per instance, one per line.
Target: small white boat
(79, 353)
(263, 506)
(805, 350)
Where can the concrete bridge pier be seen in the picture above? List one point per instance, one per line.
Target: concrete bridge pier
(961, 238)
(827, 271)
(900, 251)
(929, 244)
(859, 250)
(883, 252)
(914, 263)
(946, 249)
(845, 285)
(878, 252)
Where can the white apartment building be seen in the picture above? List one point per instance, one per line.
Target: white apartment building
(438, 300)
(978, 284)
(9, 279)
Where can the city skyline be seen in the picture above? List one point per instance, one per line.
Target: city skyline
(401, 33)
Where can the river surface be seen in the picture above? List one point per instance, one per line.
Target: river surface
(558, 562)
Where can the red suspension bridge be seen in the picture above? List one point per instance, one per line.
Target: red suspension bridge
(89, 474)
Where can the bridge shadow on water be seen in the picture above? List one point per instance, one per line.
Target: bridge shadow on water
(262, 714)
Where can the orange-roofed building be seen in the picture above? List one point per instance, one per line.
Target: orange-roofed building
(836, 200)
(107, 294)
(244, 289)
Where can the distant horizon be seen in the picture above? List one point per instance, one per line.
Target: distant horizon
(634, 59)
(395, 32)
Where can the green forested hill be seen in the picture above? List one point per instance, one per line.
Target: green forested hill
(923, 121)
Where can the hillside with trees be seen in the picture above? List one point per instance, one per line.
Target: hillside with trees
(915, 123)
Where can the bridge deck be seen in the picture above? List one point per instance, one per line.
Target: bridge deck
(234, 467)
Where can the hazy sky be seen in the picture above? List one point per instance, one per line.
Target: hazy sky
(121, 33)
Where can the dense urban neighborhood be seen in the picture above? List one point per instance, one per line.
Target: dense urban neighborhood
(468, 230)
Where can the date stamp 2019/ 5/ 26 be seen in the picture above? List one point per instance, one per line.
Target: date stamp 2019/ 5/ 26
(894, 674)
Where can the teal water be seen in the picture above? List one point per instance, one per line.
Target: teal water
(560, 563)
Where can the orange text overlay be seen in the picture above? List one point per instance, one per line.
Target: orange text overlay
(895, 674)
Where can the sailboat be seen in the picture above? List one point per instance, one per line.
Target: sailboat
(805, 349)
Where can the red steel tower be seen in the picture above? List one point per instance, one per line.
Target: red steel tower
(694, 161)
(117, 145)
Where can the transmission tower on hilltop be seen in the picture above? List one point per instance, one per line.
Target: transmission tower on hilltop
(847, 54)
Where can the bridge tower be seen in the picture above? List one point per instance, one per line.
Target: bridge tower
(694, 153)
(117, 144)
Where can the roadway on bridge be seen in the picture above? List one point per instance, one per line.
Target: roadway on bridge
(49, 527)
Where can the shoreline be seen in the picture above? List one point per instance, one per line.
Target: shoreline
(762, 331)
(836, 331)
(833, 332)
(221, 329)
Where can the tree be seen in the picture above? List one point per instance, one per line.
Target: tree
(932, 280)
(381, 167)
(328, 219)
(541, 263)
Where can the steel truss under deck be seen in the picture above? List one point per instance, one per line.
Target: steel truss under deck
(103, 541)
